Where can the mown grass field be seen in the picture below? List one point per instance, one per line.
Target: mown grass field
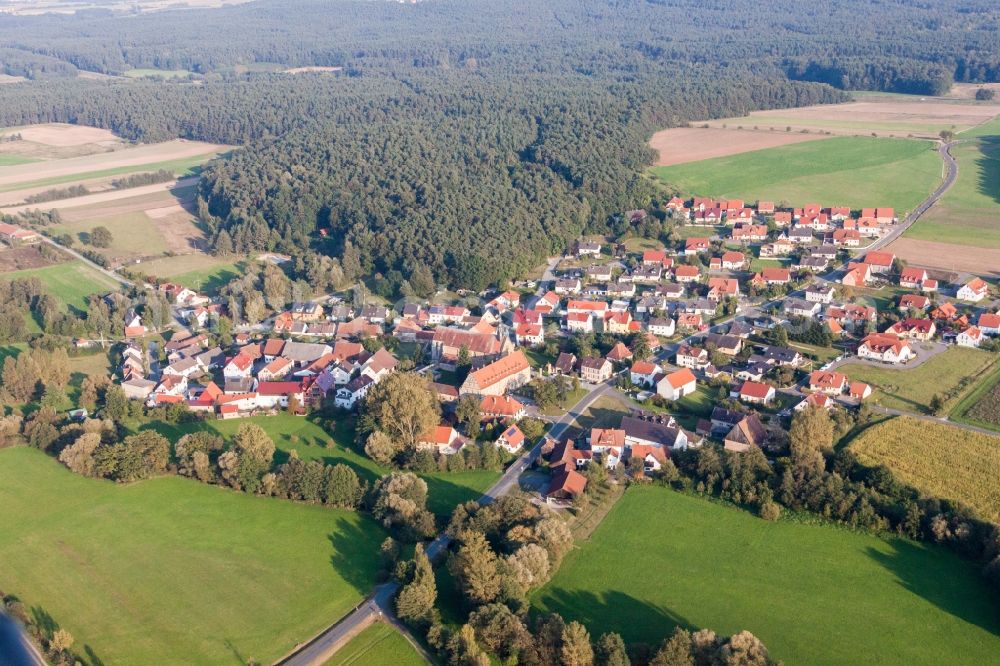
(172, 571)
(333, 444)
(132, 234)
(70, 282)
(376, 645)
(846, 171)
(7, 159)
(967, 214)
(950, 374)
(938, 460)
(815, 594)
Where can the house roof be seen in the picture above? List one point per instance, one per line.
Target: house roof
(680, 378)
(825, 379)
(273, 347)
(278, 388)
(882, 342)
(976, 284)
(747, 430)
(686, 271)
(858, 389)
(500, 404)
(593, 362)
(643, 368)
(499, 370)
(567, 481)
(619, 352)
(880, 259)
(441, 435)
(773, 273)
(650, 430)
(241, 361)
(989, 320)
(613, 437)
(587, 306)
(513, 436)
(753, 389)
(733, 257)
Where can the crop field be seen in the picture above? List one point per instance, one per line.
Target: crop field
(378, 644)
(814, 594)
(949, 257)
(846, 171)
(981, 406)
(58, 141)
(949, 374)
(172, 571)
(885, 115)
(938, 460)
(334, 444)
(71, 282)
(679, 145)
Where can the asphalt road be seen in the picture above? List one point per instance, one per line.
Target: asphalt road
(15, 648)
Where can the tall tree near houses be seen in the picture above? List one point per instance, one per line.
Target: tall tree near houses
(403, 407)
(476, 568)
(811, 433)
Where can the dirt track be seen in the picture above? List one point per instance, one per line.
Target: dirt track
(688, 144)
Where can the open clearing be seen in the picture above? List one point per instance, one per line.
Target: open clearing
(679, 145)
(950, 374)
(814, 594)
(947, 256)
(309, 70)
(174, 571)
(842, 171)
(938, 460)
(157, 73)
(22, 258)
(59, 141)
(378, 644)
(70, 282)
(333, 443)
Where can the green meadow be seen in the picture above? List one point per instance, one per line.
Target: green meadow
(70, 282)
(172, 571)
(846, 171)
(376, 645)
(815, 594)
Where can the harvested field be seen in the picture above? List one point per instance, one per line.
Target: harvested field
(7, 78)
(948, 257)
(938, 460)
(101, 193)
(22, 259)
(688, 144)
(171, 154)
(62, 134)
(968, 90)
(898, 115)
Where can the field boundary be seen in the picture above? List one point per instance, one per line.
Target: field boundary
(959, 414)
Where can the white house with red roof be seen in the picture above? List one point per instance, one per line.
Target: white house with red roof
(643, 373)
(974, 290)
(880, 262)
(676, 385)
(529, 335)
(913, 329)
(500, 408)
(827, 381)
(857, 275)
(443, 439)
(582, 322)
(733, 260)
(238, 367)
(859, 390)
(756, 393)
(989, 323)
(271, 395)
(886, 348)
(970, 337)
(695, 245)
(912, 277)
(686, 273)
(511, 440)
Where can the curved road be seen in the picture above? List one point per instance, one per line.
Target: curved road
(16, 649)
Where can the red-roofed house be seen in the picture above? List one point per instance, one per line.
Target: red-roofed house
(884, 347)
(686, 273)
(500, 408)
(676, 385)
(566, 486)
(989, 323)
(915, 301)
(512, 439)
(914, 329)
(885, 215)
(238, 367)
(619, 353)
(696, 245)
(643, 373)
(859, 390)
(719, 288)
(826, 381)
(880, 262)
(443, 439)
(756, 393)
(912, 278)
(733, 261)
(857, 275)
(773, 275)
(970, 337)
(529, 335)
(278, 394)
(974, 290)
(653, 257)
(579, 321)
(765, 207)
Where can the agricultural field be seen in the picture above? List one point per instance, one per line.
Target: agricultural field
(949, 374)
(814, 594)
(378, 644)
(58, 141)
(949, 257)
(157, 73)
(879, 113)
(172, 571)
(847, 171)
(70, 282)
(679, 145)
(967, 214)
(333, 443)
(938, 460)
(981, 406)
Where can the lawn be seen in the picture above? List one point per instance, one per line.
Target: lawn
(333, 444)
(815, 594)
(949, 374)
(847, 171)
(211, 278)
(605, 412)
(938, 460)
(819, 354)
(968, 212)
(757, 264)
(70, 282)
(378, 644)
(172, 571)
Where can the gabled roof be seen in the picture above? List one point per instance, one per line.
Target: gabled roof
(500, 370)
(757, 390)
(278, 388)
(680, 378)
(880, 259)
(500, 404)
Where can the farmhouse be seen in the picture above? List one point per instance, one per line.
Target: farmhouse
(500, 408)
(498, 377)
(885, 347)
(566, 486)
(13, 234)
(677, 384)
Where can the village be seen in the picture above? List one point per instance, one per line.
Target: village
(733, 317)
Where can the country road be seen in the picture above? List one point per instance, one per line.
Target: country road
(16, 649)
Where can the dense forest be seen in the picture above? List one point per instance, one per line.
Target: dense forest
(471, 137)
